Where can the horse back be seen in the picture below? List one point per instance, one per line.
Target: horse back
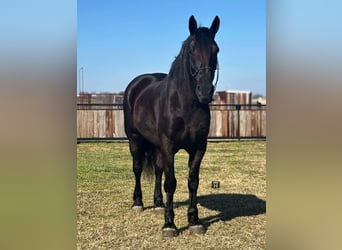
(141, 96)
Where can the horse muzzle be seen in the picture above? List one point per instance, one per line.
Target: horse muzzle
(204, 93)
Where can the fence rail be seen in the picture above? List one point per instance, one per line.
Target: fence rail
(228, 121)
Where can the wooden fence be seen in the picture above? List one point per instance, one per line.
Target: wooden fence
(105, 121)
(238, 121)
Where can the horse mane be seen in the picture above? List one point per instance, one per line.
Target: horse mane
(180, 65)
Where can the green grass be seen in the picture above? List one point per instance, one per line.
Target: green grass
(234, 214)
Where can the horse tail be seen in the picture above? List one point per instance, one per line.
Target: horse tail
(149, 164)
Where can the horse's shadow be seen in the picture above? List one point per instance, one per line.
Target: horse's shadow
(229, 207)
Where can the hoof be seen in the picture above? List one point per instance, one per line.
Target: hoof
(169, 232)
(137, 209)
(197, 229)
(159, 210)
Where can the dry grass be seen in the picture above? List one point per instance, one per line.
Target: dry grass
(234, 214)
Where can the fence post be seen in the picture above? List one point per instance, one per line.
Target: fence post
(238, 107)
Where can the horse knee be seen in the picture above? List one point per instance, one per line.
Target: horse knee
(193, 184)
(170, 185)
(137, 166)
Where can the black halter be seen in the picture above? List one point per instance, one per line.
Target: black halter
(193, 74)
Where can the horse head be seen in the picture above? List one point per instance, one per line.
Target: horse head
(203, 52)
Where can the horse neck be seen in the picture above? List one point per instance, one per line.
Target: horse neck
(179, 76)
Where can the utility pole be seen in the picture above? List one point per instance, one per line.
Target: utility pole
(80, 80)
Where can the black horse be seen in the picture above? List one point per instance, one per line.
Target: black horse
(168, 112)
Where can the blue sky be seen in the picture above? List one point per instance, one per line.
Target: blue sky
(118, 40)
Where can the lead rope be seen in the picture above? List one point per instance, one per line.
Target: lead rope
(217, 75)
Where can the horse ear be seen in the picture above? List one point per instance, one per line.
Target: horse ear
(215, 25)
(192, 25)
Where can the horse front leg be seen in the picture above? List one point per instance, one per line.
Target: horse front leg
(169, 229)
(193, 181)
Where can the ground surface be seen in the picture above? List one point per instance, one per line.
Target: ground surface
(234, 214)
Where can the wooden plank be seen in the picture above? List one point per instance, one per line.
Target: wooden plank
(109, 124)
(102, 123)
(243, 123)
(224, 131)
(255, 124)
(212, 128)
(96, 124)
(218, 129)
(79, 124)
(119, 124)
(250, 124)
(233, 123)
(263, 123)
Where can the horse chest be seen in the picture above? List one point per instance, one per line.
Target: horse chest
(190, 127)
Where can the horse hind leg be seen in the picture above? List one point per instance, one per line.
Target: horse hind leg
(137, 169)
(159, 205)
(137, 194)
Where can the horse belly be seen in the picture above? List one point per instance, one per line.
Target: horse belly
(146, 125)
